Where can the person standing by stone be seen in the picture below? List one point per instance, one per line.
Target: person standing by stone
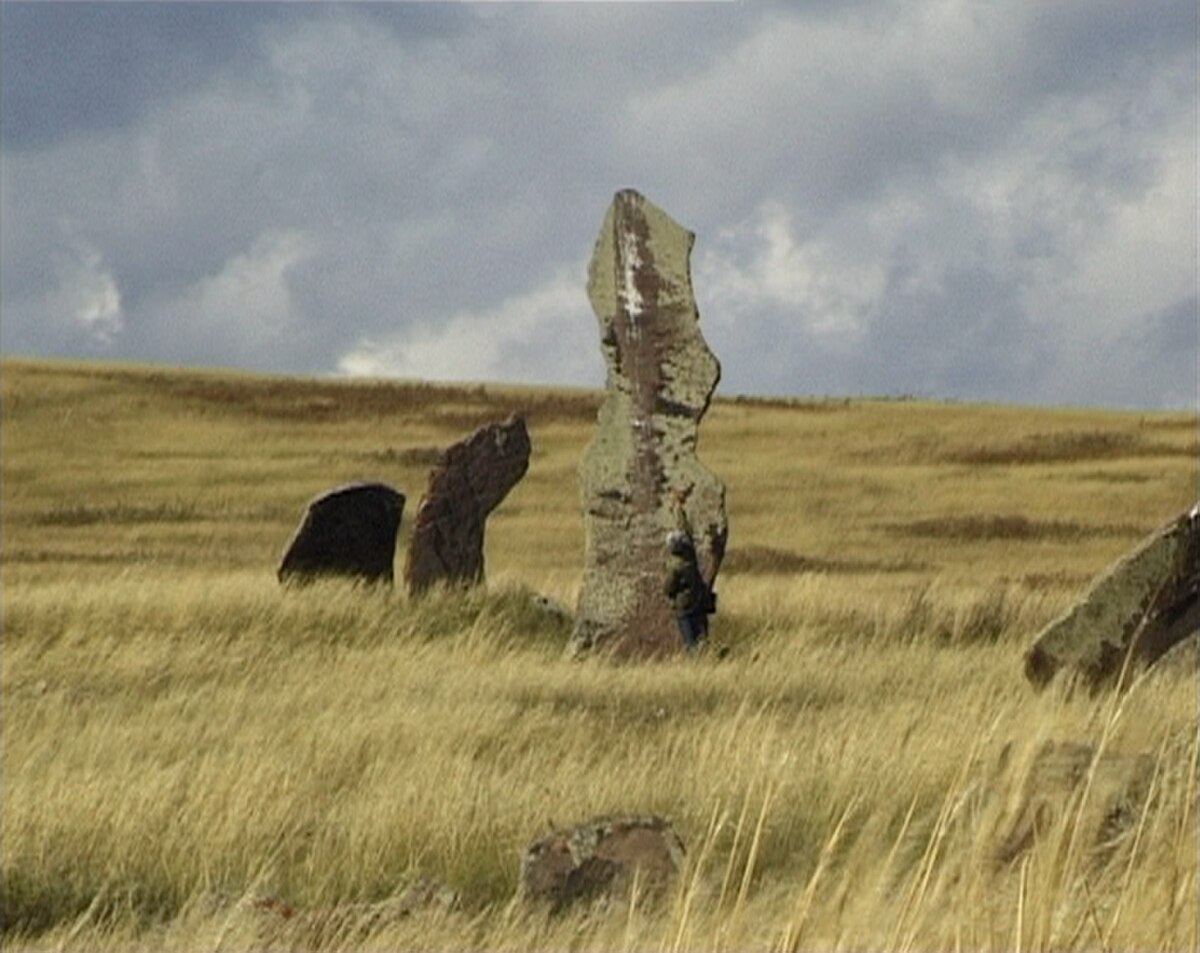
(691, 598)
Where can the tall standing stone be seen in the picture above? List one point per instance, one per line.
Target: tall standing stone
(640, 477)
(470, 481)
(1140, 608)
(349, 531)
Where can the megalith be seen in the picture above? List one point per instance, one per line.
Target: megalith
(1118, 785)
(349, 531)
(600, 859)
(471, 479)
(640, 477)
(1141, 607)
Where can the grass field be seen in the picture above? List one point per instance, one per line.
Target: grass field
(180, 736)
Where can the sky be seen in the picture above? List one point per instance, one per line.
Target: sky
(964, 199)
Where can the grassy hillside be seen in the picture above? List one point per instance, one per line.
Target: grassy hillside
(179, 733)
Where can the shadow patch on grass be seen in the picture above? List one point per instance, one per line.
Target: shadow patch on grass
(769, 559)
(1071, 446)
(1191, 424)
(403, 456)
(1006, 529)
(618, 708)
(1041, 581)
(515, 615)
(325, 401)
(922, 616)
(118, 514)
(45, 556)
(1103, 476)
(672, 703)
(33, 903)
(805, 404)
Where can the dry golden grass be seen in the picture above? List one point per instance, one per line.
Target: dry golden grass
(181, 736)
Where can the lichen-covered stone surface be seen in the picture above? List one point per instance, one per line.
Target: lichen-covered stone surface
(640, 477)
(349, 531)
(1143, 605)
(1117, 789)
(471, 479)
(600, 859)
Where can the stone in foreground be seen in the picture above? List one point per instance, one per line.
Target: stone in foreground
(1140, 608)
(601, 859)
(1117, 789)
(640, 477)
(349, 531)
(470, 480)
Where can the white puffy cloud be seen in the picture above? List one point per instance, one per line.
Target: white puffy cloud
(761, 266)
(248, 305)
(86, 297)
(546, 334)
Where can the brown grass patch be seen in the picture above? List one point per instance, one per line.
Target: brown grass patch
(118, 514)
(769, 559)
(1071, 446)
(45, 556)
(404, 456)
(1041, 581)
(333, 401)
(1005, 528)
(1105, 476)
(811, 404)
(1170, 424)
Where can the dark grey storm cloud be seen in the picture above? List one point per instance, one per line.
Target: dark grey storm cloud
(72, 67)
(939, 198)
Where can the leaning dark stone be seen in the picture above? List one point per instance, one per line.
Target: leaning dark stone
(1140, 608)
(349, 531)
(470, 480)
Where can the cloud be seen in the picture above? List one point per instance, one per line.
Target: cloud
(1157, 357)
(81, 68)
(545, 334)
(972, 201)
(247, 307)
(760, 266)
(86, 296)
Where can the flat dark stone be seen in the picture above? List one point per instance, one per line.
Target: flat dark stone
(349, 531)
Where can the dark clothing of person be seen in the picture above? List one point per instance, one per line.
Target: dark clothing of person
(690, 596)
(693, 629)
(685, 586)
